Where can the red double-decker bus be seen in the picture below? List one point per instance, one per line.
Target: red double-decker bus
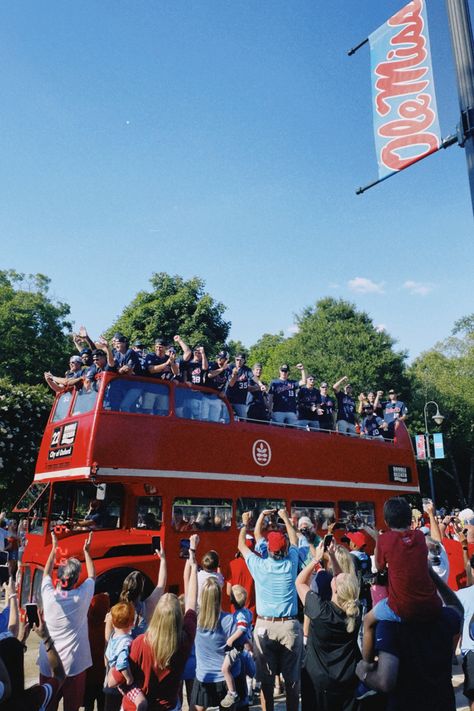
(169, 459)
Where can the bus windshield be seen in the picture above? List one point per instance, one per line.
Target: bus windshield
(76, 505)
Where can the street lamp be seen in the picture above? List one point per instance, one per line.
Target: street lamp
(438, 418)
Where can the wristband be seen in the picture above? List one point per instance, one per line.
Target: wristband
(192, 550)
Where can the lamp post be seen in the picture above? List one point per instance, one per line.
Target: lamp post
(438, 418)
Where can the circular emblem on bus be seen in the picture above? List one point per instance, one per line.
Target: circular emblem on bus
(261, 452)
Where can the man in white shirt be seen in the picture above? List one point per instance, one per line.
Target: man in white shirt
(65, 612)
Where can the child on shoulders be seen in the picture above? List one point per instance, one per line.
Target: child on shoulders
(236, 642)
(117, 654)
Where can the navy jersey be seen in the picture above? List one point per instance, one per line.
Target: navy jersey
(284, 395)
(219, 381)
(237, 393)
(153, 359)
(345, 408)
(307, 400)
(129, 358)
(371, 426)
(393, 410)
(193, 371)
(326, 420)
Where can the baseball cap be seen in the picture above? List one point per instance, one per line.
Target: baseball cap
(75, 359)
(276, 541)
(119, 337)
(222, 354)
(323, 385)
(357, 538)
(159, 342)
(85, 351)
(99, 352)
(284, 368)
(138, 344)
(392, 391)
(304, 521)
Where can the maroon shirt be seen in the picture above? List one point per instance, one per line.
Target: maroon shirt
(411, 592)
(160, 686)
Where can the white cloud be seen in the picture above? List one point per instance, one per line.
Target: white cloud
(362, 285)
(380, 327)
(417, 287)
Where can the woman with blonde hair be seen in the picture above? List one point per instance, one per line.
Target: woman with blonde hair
(157, 657)
(214, 629)
(329, 681)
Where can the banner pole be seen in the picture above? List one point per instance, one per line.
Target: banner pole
(354, 49)
(445, 143)
(462, 42)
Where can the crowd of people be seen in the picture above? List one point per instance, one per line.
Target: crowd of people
(343, 628)
(283, 401)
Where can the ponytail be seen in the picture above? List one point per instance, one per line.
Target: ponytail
(347, 592)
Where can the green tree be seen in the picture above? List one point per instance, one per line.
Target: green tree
(24, 410)
(445, 374)
(174, 306)
(335, 339)
(32, 328)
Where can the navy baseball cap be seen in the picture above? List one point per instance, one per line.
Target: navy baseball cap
(120, 337)
(284, 368)
(85, 351)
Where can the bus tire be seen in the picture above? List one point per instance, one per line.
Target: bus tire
(111, 582)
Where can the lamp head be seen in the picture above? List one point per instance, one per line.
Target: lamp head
(438, 418)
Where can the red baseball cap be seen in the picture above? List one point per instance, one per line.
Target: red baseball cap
(357, 538)
(276, 541)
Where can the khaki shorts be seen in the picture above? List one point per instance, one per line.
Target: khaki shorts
(278, 647)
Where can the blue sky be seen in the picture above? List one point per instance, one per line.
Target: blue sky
(226, 140)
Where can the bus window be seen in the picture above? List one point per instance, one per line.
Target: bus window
(85, 400)
(71, 503)
(321, 513)
(62, 406)
(202, 514)
(256, 506)
(200, 405)
(357, 513)
(137, 397)
(34, 503)
(149, 512)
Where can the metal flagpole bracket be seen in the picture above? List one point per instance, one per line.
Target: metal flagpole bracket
(466, 128)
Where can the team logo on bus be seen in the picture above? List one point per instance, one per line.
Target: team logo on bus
(261, 452)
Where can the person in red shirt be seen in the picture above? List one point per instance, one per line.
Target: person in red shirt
(239, 574)
(411, 591)
(157, 658)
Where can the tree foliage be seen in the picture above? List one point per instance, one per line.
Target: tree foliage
(335, 339)
(24, 410)
(445, 374)
(174, 306)
(32, 328)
